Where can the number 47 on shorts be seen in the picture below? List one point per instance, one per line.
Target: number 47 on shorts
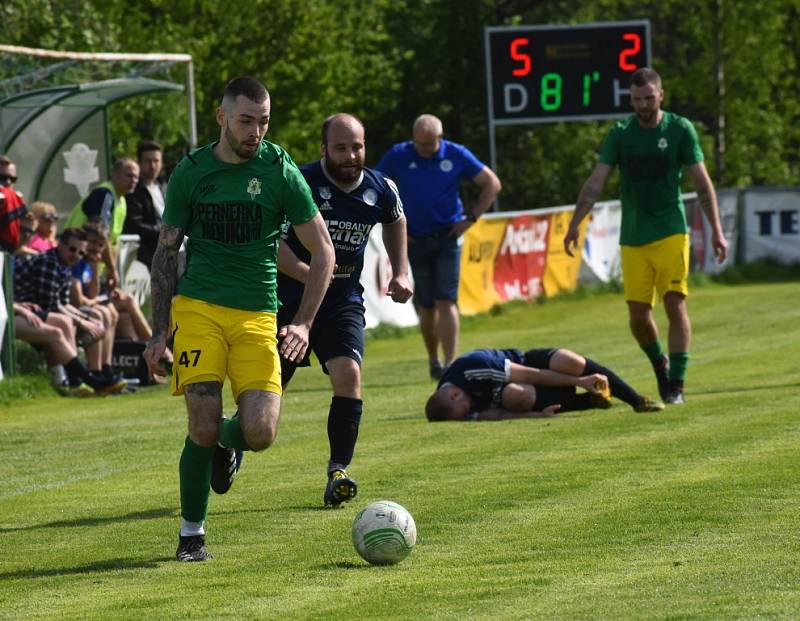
(185, 361)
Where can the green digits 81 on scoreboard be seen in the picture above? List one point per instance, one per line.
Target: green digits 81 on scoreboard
(539, 74)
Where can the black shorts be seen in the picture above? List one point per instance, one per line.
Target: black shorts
(337, 331)
(546, 395)
(538, 358)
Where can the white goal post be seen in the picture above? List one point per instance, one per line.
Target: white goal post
(113, 56)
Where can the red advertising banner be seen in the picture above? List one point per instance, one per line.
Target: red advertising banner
(522, 257)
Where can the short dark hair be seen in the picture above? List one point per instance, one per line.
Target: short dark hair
(436, 409)
(644, 76)
(147, 145)
(72, 233)
(248, 87)
(96, 228)
(121, 162)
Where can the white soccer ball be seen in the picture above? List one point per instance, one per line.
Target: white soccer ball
(384, 533)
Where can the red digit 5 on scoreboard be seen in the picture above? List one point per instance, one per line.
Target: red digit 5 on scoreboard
(525, 59)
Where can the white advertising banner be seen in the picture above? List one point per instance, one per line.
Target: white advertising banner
(771, 224)
(601, 249)
(375, 279)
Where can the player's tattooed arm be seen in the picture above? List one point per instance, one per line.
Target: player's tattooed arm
(164, 276)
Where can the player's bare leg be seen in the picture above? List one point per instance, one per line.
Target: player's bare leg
(448, 325)
(641, 322)
(253, 428)
(428, 318)
(259, 413)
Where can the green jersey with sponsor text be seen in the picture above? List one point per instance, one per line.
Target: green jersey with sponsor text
(232, 215)
(651, 162)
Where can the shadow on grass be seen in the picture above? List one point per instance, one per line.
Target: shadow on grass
(396, 384)
(305, 390)
(726, 391)
(343, 565)
(114, 564)
(151, 514)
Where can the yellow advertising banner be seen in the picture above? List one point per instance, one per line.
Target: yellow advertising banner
(477, 293)
(517, 257)
(561, 270)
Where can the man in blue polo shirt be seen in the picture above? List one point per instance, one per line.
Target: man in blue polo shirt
(428, 171)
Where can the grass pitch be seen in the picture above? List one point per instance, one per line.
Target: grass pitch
(687, 514)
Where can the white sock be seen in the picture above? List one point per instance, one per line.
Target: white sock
(58, 375)
(191, 529)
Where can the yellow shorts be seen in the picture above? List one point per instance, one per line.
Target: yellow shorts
(656, 268)
(213, 341)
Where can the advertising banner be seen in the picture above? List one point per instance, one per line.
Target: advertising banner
(520, 263)
(601, 246)
(703, 258)
(771, 224)
(476, 292)
(375, 277)
(561, 270)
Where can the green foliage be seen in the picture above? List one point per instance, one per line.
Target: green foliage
(588, 515)
(24, 387)
(764, 270)
(390, 61)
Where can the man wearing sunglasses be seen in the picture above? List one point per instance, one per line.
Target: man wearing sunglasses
(12, 207)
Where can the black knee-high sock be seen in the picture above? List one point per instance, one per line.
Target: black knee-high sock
(344, 418)
(77, 373)
(619, 388)
(565, 396)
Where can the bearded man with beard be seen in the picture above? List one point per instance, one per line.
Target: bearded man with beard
(352, 200)
(651, 147)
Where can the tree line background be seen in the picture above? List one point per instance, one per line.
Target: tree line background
(387, 61)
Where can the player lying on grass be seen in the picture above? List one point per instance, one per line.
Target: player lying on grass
(499, 384)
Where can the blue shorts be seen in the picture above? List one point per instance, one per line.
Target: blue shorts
(435, 263)
(338, 330)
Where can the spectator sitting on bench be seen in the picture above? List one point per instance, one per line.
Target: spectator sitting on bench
(90, 290)
(27, 230)
(56, 336)
(44, 280)
(84, 294)
(46, 222)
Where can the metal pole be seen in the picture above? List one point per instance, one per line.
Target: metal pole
(490, 107)
(8, 346)
(719, 142)
(192, 109)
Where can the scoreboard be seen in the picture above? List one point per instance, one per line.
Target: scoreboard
(540, 74)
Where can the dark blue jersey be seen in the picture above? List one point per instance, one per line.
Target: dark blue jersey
(482, 374)
(350, 217)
